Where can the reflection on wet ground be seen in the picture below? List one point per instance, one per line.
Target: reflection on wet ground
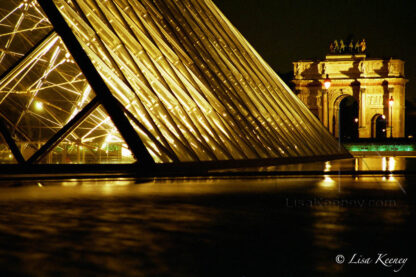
(370, 163)
(275, 226)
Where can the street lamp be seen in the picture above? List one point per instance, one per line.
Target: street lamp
(391, 102)
(327, 82)
(327, 85)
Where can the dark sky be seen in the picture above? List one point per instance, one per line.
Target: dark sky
(283, 31)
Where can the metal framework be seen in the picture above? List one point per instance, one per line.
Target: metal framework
(146, 81)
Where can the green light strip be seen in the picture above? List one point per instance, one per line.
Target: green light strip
(380, 147)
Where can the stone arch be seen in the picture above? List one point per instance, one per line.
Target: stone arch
(341, 102)
(378, 126)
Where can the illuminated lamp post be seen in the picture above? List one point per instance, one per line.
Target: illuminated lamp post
(327, 85)
(327, 82)
(391, 102)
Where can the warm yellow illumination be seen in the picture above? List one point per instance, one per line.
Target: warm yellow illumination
(327, 82)
(327, 182)
(104, 145)
(109, 138)
(125, 152)
(392, 163)
(327, 166)
(391, 101)
(391, 178)
(384, 163)
(39, 106)
(193, 93)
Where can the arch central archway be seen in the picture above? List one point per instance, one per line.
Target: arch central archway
(345, 117)
(378, 126)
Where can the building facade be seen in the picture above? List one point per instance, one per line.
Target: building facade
(365, 97)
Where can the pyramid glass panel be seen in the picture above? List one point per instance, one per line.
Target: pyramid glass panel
(22, 26)
(6, 156)
(186, 80)
(42, 93)
(95, 140)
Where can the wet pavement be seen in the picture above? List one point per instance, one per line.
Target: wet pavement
(221, 226)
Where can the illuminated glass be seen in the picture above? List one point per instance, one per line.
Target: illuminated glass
(6, 156)
(98, 141)
(191, 86)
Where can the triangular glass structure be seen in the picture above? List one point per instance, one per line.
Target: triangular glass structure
(178, 81)
(6, 156)
(95, 140)
(38, 102)
(22, 26)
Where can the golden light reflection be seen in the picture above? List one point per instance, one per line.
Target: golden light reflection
(384, 164)
(380, 163)
(125, 152)
(193, 98)
(70, 183)
(327, 182)
(327, 166)
(392, 163)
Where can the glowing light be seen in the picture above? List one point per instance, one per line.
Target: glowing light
(125, 152)
(104, 145)
(110, 138)
(39, 106)
(327, 166)
(391, 101)
(327, 82)
(392, 163)
(391, 178)
(383, 116)
(356, 120)
(327, 182)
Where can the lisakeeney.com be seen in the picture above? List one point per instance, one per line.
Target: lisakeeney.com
(342, 203)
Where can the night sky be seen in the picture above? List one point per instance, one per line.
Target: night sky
(287, 31)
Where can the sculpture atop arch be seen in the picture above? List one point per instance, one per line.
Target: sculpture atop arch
(348, 47)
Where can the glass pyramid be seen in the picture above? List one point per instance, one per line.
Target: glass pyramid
(172, 81)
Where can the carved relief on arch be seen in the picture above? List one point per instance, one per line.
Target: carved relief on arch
(375, 99)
